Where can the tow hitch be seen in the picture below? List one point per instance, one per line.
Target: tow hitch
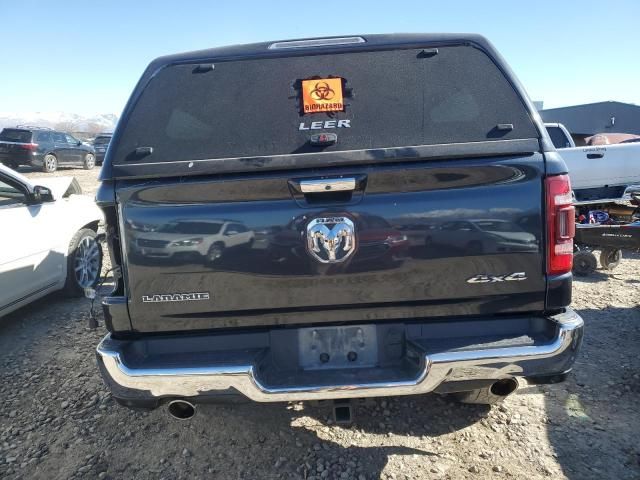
(343, 411)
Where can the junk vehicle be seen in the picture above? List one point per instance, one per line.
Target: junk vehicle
(332, 152)
(597, 172)
(609, 227)
(48, 242)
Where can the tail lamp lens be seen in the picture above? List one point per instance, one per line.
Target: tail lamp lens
(561, 224)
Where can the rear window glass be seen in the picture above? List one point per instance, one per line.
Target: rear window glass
(101, 140)
(15, 135)
(43, 137)
(390, 99)
(558, 137)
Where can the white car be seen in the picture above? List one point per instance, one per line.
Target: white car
(48, 239)
(206, 239)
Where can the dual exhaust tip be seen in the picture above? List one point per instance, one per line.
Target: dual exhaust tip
(181, 409)
(504, 387)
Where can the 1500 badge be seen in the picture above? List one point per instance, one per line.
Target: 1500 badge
(511, 277)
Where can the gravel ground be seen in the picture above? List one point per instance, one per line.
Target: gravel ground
(57, 419)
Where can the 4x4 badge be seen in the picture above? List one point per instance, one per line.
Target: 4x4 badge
(331, 239)
(512, 277)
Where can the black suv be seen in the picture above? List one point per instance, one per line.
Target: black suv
(43, 148)
(100, 143)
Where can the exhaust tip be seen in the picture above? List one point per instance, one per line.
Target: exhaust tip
(505, 387)
(181, 409)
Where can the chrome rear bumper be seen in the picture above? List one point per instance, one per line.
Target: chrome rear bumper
(242, 371)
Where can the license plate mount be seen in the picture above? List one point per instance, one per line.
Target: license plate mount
(354, 346)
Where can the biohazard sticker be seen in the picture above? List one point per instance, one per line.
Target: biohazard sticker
(322, 95)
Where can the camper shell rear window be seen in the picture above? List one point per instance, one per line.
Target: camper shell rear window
(256, 108)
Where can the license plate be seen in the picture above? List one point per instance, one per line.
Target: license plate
(337, 347)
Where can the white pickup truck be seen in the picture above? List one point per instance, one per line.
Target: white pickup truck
(597, 172)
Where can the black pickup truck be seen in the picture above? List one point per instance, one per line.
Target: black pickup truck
(335, 218)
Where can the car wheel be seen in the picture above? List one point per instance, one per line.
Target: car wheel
(215, 252)
(584, 263)
(89, 161)
(84, 263)
(610, 258)
(50, 163)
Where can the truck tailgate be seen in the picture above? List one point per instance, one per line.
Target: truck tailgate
(431, 238)
(602, 165)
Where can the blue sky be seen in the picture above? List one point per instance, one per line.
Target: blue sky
(86, 56)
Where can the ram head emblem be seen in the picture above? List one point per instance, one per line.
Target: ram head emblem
(331, 239)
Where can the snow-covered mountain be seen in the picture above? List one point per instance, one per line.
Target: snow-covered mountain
(71, 122)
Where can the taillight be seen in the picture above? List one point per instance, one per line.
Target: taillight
(29, 146)
(561, 224)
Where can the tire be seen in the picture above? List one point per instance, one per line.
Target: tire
(610, 258)
(49, 163)
(89, 161)
(84, 263)
(489, 395)
(584, 263)
(215, 252)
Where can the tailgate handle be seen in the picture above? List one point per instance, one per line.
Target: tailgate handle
(595, 155)
(328, 185)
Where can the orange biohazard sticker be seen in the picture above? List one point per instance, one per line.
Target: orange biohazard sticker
(322, 95)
